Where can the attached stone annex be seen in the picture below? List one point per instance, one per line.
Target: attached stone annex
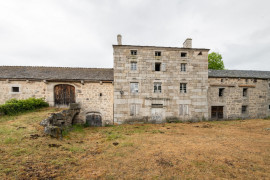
(148, 84)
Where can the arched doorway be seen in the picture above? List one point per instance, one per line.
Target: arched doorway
(93, 119)
(64, 94)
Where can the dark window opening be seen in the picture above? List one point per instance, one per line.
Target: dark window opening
(245, 92)
(217, 112)
(15, 89)
(157, 53)
(157, 66)
(100, 94)
(244, 109)
(246, 80)
(269, 107)
(133, 52)
(183, 54)
(200, 53)
(221, 80)
(221, 92)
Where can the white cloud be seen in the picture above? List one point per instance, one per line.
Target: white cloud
(81, 32)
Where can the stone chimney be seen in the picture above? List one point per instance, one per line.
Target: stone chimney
(187, 43)
(119, 39)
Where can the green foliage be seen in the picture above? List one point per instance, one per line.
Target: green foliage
(14, 106)
(215, 61)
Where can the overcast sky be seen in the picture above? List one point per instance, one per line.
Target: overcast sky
(80, 33)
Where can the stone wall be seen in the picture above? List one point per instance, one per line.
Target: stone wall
(170, 100)
(92, 96)
(232, 100)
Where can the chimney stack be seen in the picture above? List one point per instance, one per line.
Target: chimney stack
(119, 39)
(187, 43)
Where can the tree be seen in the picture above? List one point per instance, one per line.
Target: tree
(215, 61)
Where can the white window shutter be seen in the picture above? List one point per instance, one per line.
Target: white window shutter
(180, 109)
(163, 67)
(153, 67)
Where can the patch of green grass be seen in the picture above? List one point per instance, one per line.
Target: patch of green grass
(19, 152)
(158, 131)
(10, 140)
(111, 137)
(75, 149)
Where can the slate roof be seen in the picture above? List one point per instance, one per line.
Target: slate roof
(55, 73)
(239, 74)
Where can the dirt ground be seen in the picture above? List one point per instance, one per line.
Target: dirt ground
(205, 150)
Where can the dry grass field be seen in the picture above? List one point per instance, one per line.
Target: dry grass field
(206, 150)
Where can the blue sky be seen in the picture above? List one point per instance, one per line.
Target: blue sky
(80, 33)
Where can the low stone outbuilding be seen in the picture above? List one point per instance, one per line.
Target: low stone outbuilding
(92, 88)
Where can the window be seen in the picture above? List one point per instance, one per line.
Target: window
(245, 92)
(134, 109)
(221, 92)
(269, 107)
(157, 66)
(133, 66)
(133, 52)
(134, 87)
(15, 89)
(183, 66)
(244, 109)
(157, 87)
(157, 53)
(183, 87)
(183, 109)
(183, 54)
(200, 53)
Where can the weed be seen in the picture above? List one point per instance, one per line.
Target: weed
(158, 131)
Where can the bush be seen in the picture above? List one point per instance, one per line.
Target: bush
(14, 106)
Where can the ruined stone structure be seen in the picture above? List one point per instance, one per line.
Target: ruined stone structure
(148, 84)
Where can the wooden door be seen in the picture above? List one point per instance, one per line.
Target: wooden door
(217, 112)
(64, 94)
(93, 120)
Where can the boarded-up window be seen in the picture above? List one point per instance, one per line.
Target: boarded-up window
(183, 109)
(134, 109)
(134, 87)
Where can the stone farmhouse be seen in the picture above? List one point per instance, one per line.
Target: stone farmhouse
(147, 84)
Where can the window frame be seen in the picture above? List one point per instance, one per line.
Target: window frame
(157, 87)
(244, 109)
(183, 67)
(133, 52)
(132, 66)
(183, 88)
(157, 53)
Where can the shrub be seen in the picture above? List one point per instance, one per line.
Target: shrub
(14, 106)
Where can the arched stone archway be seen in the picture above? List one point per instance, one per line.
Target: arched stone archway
(93, 119)
(64, 94)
